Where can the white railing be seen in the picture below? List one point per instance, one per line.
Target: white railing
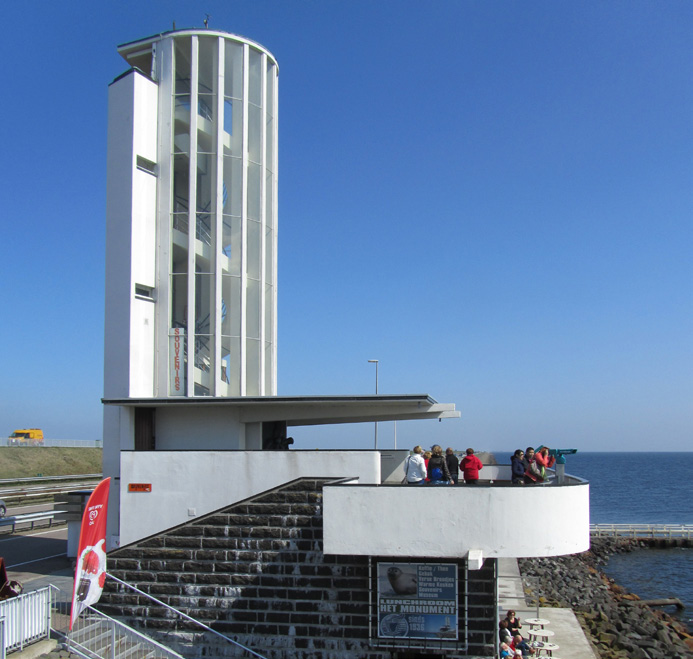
(2, 638)
(642, 530)
(94, 634)
(188, 618)
(27, 618)
(65, 443)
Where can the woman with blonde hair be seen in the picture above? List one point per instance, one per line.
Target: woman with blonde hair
(415, 468)
(438, 472)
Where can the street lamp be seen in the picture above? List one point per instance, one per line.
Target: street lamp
(375, 361)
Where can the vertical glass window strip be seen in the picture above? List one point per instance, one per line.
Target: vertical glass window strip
(231, 331)
(254, 249)
(204, 297)
(181, 169)
(233, 70)
(269, 254)
(206, 200)
(252, 305)
(231, 296)
(233, 93)
(269, 307)
(231, 364)
(254, 191)
(271, 73)
(231, 239)
(268, 369)
(180, 195)
(255, 78)
(252, 357)
(254, 133)
(208, 73)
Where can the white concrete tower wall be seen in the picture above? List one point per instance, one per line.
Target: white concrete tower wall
(131, 237)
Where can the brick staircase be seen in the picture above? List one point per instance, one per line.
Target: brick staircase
(255, 571)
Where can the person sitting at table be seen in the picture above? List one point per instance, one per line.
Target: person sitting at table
(514, 624)
(504, 634)
(521, 646)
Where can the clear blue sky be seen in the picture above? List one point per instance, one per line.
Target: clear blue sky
(494, 199)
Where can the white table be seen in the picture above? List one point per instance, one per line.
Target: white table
(543, 634)
(548, 648)
(537, 622)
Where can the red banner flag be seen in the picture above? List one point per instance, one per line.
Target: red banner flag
(90, 572)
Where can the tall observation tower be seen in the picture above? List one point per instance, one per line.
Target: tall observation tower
(190, 373)
(191, 293)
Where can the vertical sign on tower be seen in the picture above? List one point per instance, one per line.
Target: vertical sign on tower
(177, 369)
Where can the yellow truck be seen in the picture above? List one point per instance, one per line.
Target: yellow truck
(27, 437)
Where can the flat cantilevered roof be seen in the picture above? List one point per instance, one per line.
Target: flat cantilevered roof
(311, 410)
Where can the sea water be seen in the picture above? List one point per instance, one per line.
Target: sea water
(642, 488)
(654, 488)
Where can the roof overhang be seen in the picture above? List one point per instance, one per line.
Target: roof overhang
(311, 410)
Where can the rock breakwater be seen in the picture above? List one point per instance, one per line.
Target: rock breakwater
(614, 620)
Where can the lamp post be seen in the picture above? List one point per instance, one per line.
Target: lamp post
(375, 361)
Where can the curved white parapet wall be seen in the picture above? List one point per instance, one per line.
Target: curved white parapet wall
(501, 521)
(187, 484)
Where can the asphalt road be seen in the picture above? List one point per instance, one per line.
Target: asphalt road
(39, 557)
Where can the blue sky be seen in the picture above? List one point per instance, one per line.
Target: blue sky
(494, 199)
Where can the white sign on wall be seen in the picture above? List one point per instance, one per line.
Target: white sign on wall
(176, 352)
(417, 600)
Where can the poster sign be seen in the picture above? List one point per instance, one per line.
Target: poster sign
(90, 571)
(177, 370)
(417, 600)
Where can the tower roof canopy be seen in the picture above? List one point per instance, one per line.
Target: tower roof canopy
(312, 410)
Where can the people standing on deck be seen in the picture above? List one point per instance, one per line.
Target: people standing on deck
(453, 467)
(470, 466)
(427, 457)
(438, 473)
(532, 474)
(517, 469)
(415, 468)
(544, 461)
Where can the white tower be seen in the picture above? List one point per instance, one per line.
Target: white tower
(191, 288)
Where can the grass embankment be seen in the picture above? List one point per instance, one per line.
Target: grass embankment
(29, 461)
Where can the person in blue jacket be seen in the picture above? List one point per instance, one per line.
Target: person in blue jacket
(517, 468)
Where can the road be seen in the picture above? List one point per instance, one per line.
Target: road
(36, 558)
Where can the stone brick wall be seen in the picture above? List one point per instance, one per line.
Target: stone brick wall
(255, 572)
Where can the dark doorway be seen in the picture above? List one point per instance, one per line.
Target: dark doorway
(144, 429)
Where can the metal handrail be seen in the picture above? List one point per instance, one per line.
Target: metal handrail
(184, 615)
(101, 627)
(643, 530)
(44, 479)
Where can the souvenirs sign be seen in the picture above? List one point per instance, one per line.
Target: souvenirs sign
(417, 600)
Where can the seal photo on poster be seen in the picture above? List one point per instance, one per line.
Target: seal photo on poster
(403, 583)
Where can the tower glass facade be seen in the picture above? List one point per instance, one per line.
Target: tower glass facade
(216, 212)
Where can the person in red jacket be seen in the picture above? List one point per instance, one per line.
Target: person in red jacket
(470, 466)
(544, 460)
